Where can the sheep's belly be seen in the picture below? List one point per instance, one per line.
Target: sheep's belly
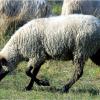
(63, 57)
(60, 55)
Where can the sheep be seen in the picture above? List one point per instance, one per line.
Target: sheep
(89, 7)
(73, 37)
(15, 13)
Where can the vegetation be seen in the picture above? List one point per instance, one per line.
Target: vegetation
(56, 9)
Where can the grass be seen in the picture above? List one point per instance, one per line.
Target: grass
(58, 73)
(56, 9)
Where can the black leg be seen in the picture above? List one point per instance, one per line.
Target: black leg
(77, 74)
(30, 85)
(34, 73)
(39, 82)
(28, 71)
(42, 82)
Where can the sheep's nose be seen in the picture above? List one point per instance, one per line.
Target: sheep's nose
(2, 75)
(3, 72)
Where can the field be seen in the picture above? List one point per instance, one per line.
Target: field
(12, 87)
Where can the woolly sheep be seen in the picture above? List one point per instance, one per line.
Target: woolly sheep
(89, 7)
(18, 12)
(72, 37)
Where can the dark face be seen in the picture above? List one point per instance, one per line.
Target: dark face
(3, 68)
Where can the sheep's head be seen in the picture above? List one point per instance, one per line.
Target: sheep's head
(3, 69)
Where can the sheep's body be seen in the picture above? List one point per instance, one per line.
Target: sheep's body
(69, 37)
(90, 7)
(20, 12)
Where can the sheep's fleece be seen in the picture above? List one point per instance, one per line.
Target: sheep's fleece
(21, 11)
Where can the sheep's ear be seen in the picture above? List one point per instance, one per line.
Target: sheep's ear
(3, 61)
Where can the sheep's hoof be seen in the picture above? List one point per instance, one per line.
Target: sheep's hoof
(65, 89)
(28, 88)
(43, 82)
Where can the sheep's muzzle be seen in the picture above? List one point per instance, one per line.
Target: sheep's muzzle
(2, 75)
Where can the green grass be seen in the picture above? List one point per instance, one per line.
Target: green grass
(56, 9)
(58, 73)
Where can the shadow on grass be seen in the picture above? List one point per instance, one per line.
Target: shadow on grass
(53, 89)
(45, 89)
(91, 91)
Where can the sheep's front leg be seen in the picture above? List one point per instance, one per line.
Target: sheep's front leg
(35, 71)
(79, 63)
(39, 82)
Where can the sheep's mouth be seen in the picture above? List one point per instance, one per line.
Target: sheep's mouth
(2, 75)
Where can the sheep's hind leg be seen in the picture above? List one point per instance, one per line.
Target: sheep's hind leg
(79, 63)
(39, 82)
